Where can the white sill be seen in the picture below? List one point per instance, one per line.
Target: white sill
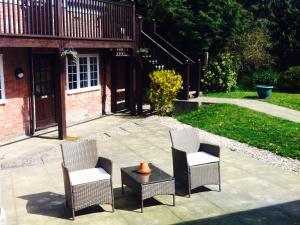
(82, 90)
(2, 101)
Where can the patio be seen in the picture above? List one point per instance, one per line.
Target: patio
(252, 191)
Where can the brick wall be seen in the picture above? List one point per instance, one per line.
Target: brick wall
(83, 106)
(14, 114)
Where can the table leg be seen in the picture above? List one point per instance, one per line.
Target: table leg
(122, 188)
(142, 205)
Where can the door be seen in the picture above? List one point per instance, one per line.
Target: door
(44, 91)
(120, 84)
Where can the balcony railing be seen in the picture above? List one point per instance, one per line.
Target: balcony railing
(86, 19)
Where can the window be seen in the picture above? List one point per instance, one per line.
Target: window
(2, 91)
(84, 74)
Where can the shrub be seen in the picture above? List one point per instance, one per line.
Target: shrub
(252, 49)
(164, 87)
(267, 77)
(290, 80)
(221, 74)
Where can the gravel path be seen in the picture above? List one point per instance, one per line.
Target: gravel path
(287, 164)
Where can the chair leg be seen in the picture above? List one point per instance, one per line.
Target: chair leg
(219, 177)
(189, 185)
(73, 214)
(112, 196)
(67, 204)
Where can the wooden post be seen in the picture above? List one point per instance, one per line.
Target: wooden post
(133, 20)
(186, 81)
(198, 80)
(154, 26)
(59, 18)
(132, 85)
(113, 85)
(61, 98)
(205, 62)
(139, 69)
(32, 97)
(102, 66)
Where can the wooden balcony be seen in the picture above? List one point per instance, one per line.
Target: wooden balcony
(78, 23)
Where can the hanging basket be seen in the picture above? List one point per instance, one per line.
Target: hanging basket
(70, 53)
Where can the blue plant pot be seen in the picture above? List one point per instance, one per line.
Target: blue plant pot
(264, 91)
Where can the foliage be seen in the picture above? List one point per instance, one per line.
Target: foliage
(252, 49)
(290, 80)
(267, 77)
(282, 20)
(143, 51)
(221, 74)
(213, 25)
(218, 22)
(291, 101)
(164, 87)
(70, 53)
(206, 25)
(277, 135)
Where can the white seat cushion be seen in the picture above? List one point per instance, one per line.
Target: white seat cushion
(88, 175)
(198, 158)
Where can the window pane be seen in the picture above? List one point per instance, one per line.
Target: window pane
(72, 75)
(93, 71)
(83, 72)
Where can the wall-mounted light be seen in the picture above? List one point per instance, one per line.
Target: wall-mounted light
(19, 73)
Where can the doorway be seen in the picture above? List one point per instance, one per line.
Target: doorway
(44, 91)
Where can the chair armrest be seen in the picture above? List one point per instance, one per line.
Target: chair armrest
(210, 149)
(67, 184)
(180, 166)
(106, 164)
(179, 159)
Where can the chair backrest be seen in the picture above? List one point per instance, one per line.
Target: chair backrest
(80, 155)
(186, 139)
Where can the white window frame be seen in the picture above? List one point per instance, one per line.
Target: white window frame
(2, 97)
(85, 89)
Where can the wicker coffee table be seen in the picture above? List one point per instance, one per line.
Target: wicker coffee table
(157, 182)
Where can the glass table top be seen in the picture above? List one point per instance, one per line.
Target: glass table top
(156, 175)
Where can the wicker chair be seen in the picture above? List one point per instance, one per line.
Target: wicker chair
(194, 164)
(87, 177)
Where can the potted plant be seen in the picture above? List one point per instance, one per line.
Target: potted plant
(265, 82)
(70, 53)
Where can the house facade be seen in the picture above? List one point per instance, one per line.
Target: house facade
(39, 88)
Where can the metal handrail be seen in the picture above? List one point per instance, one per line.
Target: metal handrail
(173, 47)
(162, 48)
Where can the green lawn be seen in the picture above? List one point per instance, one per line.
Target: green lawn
(291, 101)
(254, 128)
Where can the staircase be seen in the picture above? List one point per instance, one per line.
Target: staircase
(163, 55)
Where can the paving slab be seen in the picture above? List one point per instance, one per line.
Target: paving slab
(252, 192)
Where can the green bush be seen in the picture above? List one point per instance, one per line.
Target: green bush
(290, 80)
(267, 77)
(164, 87)
(252, 49)
(221, 74)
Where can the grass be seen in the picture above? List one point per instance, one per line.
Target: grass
(279, 136)
(291, 101)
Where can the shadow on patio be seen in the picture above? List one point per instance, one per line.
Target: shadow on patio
(281, 214)
(51, 204)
